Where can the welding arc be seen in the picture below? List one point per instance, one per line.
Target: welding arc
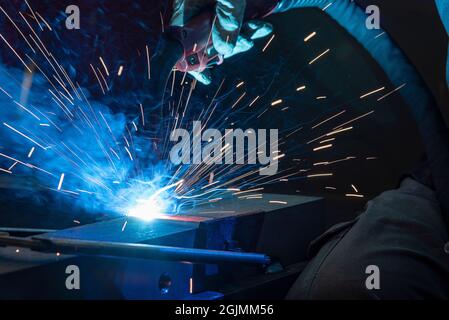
(134, 250)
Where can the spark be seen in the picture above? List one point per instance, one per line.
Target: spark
(328, 119)
(320, 175)
(162, 22)
(355, 119)
(240, 84)
(246, 191)
(124, 225)
(252, 196)
(337, 131)
(354, 188)
(391, 92)
(24, 135)
(104, 66)
(371, 93)
(310, 36)
(332, 133)
(43, 20)
(327, 146)
(61, 180)
(319, 56)
(327, 140)
(327, 7)
(6, 171)
(12, 166)
(103, 78)
(278, 157)
(96, 75)
(129, 153)
(34, 15)
(238, 100)
(209, 184)
(20, 58)
(277, 202)
(254, 101)
(27, 110)
(25, 164)
(31, 152)
(354, 195)
(301, 88)
(148, 62)
(293, 132)
(17, 28)
(276, 102)
(268, 43)
(120, 70)
(142, 114)
(1, 89)
(341, 160)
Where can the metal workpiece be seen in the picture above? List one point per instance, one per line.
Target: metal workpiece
(202, 249)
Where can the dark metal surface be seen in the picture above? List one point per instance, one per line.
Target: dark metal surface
(236, 207)
(126, 229)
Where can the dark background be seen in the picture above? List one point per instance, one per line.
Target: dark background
(416, 27)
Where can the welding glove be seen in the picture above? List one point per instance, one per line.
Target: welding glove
(229, 37)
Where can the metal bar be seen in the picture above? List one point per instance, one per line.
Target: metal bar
(26, 230)
(133, 250)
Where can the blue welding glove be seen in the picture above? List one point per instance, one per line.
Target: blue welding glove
(251, 30)
(229, 37)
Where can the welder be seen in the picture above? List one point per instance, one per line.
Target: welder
(402, 237)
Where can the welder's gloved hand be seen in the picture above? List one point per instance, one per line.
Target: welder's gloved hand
(226, 32)
(250, 31)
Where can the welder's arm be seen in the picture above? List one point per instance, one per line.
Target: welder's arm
(229, 15)
(226, 31)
